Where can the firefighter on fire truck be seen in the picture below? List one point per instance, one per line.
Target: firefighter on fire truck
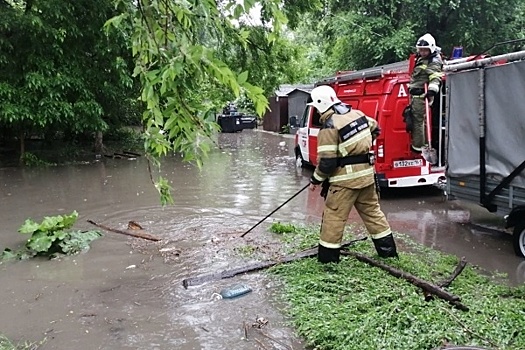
(427, 71)
(344, 160)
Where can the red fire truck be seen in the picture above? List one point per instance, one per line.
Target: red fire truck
(380, 93)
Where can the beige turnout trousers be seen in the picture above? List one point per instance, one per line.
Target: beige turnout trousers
(339, 203)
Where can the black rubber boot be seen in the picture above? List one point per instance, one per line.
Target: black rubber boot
(386, 247)
(328, 255)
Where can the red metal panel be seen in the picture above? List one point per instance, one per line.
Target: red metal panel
(383, 98)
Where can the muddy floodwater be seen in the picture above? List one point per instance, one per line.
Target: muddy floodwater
(127, 293)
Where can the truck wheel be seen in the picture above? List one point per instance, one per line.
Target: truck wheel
(518, 239)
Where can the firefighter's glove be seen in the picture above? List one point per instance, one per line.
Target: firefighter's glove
(324, 188)
(430, 94)
(408, 118)
(376, 132)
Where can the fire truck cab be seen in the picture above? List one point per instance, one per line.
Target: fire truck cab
(381, 93)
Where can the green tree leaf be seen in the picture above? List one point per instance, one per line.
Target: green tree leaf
(40, 242)
(29, 226)
(241, 79)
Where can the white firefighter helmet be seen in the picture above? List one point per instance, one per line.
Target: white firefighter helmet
(427, 41)
(323, 97)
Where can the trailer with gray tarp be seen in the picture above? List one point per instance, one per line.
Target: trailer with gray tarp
(485, 136)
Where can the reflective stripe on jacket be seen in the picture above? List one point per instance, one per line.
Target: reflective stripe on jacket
(344, 135)
(427, 70)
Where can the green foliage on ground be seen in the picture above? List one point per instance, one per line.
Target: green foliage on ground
(6, 344)
(31, 160)
(52, 237)
(353, 305)
(278, 227)
(246, 250)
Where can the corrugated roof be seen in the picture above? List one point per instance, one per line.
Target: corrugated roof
(285, 89)
(305, 90)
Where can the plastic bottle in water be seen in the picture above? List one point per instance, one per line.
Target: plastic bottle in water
(235, 291)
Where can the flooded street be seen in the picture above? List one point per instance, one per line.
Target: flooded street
(127, 293)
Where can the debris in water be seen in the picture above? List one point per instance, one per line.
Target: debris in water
(133, 225)
(169, 250)
(235, 291)
(260, 322)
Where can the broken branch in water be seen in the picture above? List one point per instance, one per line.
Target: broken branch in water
(245, 329)
(195, 281)
(142, 235)
(274, 340)
(261, 344)
(427, 286)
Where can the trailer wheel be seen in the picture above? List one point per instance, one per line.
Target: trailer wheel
(518, 239)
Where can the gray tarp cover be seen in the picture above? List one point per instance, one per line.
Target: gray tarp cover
(505, 121)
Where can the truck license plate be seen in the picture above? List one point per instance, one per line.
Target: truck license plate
(408, 163)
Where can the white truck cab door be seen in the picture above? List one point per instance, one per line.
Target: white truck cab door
(302, 134)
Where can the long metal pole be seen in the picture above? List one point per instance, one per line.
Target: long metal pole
(514, 56)
(440, 126)
(482, 139)
(279, 207)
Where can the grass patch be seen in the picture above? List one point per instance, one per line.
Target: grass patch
(6, 344)
(278, 227)
(353, 305)
(246, 251)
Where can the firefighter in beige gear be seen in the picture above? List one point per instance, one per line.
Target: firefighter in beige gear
(345, 162)
(427, 72)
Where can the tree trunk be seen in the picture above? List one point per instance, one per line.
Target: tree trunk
(29, 6)
(99, 144)
(22, 139)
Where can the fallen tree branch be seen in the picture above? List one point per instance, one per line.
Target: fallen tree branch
(245, 329)
(274, 340)
(124, 155)
(261, 344)
(195, 281)
(447, 282)
(432, 288)
(467, 329)
(459, 268)
(132, 153)
(127, 232)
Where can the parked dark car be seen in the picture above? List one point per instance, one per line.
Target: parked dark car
(233, 121)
